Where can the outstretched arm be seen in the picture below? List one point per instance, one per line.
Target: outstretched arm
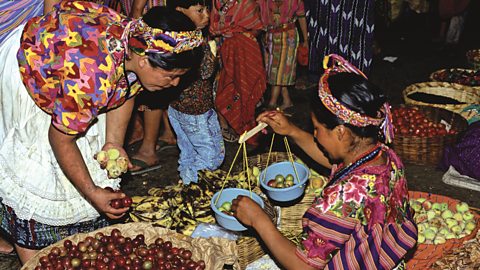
(280, 124)
(71, 161)
(250, 213)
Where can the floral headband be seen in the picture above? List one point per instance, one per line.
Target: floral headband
(339, 65)
(142, 39)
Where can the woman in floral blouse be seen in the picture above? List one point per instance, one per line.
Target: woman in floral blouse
(362, 219)
(81, 65)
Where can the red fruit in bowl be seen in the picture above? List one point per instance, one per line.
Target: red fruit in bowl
(272, 183)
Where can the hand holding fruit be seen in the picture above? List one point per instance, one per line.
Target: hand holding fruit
(102, 199)
(248, 211)
(113, 159)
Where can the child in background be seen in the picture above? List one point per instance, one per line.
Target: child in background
(192, 115)
(280, 45)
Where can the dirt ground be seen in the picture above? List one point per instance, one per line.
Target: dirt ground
(416, 58)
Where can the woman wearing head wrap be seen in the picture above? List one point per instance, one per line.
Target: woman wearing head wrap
(362, 219)
(81, 65)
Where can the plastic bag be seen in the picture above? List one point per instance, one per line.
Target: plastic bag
(207, 230)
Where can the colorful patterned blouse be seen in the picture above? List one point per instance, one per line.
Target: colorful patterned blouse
(363, 221)
(72, 64)
(234, 16)
(276, 13)
(198, 97)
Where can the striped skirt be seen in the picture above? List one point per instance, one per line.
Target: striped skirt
(281, 56)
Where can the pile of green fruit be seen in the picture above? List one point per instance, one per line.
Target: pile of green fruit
(437, 223)
(281, 181)
(226, 208)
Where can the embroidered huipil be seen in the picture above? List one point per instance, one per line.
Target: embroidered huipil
(72, 63)
(363, 221)
(234, 16)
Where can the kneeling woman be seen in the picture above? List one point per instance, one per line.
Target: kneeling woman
(362, 220)
(81, 66)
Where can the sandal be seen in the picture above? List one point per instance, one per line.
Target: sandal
(229, 135)
(144, 167)
(164, 145)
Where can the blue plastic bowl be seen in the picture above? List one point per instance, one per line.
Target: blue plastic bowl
(228, 194)
(284, 168)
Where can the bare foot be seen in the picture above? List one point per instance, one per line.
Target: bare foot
(5, 247)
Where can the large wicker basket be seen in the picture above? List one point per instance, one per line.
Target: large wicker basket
(290, 222)
(452, 97)
(441, 76)
(428, 150)
(214, 251)
(427, 254)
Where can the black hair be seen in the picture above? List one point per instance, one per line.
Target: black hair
(188, 3)
(356, 93)
(171, 20)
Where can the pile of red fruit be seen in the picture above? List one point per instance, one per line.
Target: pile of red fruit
(410, 121)
(120, 203)
(460, 76)
(115, 251)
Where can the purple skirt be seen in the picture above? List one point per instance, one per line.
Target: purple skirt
(465, 155)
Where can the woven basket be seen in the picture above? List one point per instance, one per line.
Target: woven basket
(290, 215)
(461, 96)
(427, 254)
(473, 57)
(214, 251)
(428, 150)
(437, 76)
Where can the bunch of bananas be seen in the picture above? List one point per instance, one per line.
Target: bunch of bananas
(182, 207)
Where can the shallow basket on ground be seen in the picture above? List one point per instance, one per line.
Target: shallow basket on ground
(425, 255)
(214, 251)
(453, 97)
(428, 150)
(467, 77)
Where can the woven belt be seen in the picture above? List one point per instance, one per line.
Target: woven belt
(281, 28)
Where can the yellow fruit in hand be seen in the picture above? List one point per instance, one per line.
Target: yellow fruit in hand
(122, 164)
(111, 164)
(113, 153)
(102, 157)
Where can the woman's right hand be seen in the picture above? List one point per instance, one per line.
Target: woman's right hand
(277, 121)
(100, 198)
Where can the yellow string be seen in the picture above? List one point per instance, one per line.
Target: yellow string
(290, 157)
(268, 157)
(228, 174)
(245, 162)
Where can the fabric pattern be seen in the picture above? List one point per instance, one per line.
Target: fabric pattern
(14, 13)
(464, 156)
(198, 97)
(242, 82)
(231, 16)
(281, 57)
(34, 235)
(47, 195)
(343, 27)
(362, 221)
(200, 141)
(71, 61)
(275, 13)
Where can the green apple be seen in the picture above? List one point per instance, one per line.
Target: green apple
(458, 216)
(462, 207)
(429, 234)
(467, 216)
(456, 229)
(279, 178)
(470, 226)
(421, 239)
(431, 214)
(451, 222)
(227, 206)
(450, 235)
(447, 214)
(439, 239)
(421, 228)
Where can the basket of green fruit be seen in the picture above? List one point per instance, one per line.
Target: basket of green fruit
(443, 224)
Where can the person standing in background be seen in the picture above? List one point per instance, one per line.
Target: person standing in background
(343, 27)
(280, 45)
(242, 79)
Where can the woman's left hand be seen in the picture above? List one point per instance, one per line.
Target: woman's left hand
(248, 211)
